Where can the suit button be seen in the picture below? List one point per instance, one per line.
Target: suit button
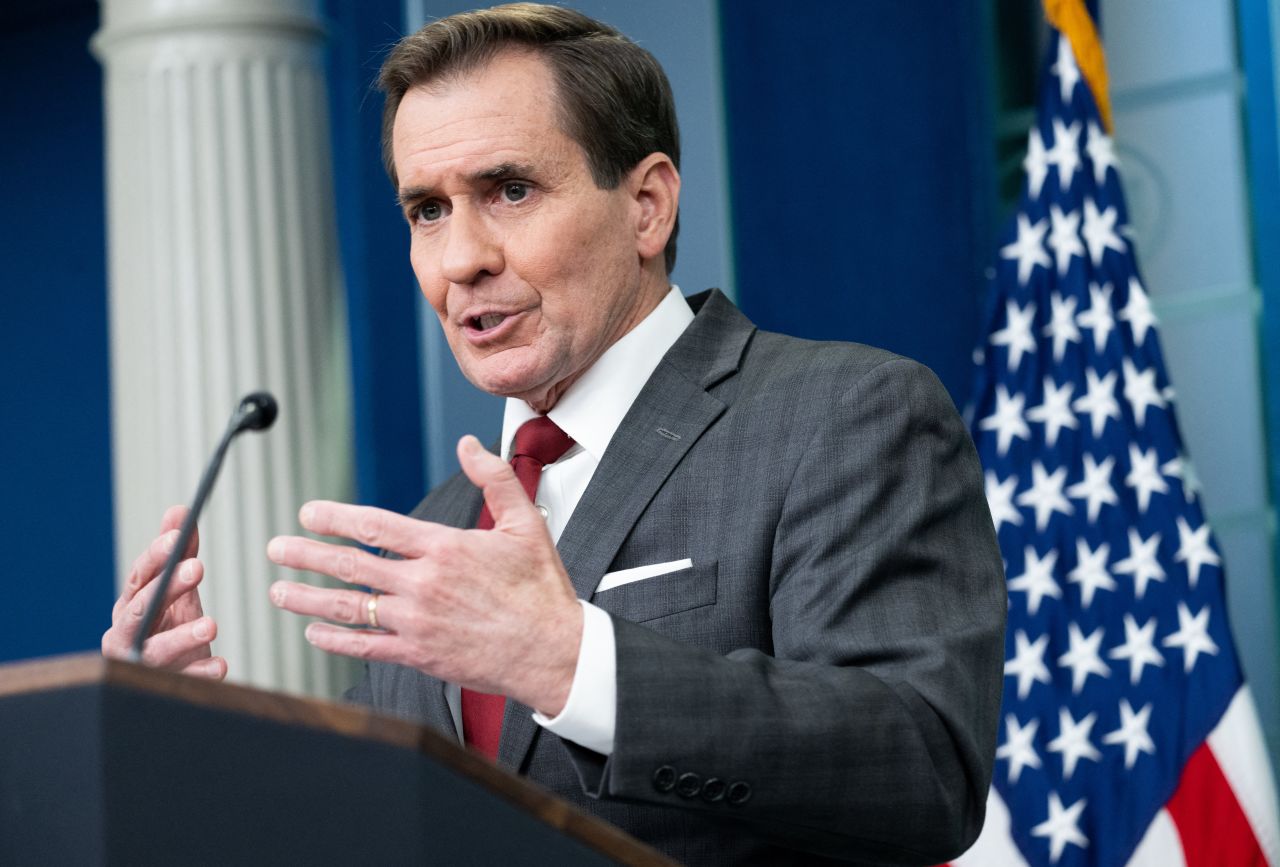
(713, 790)
(689, 785)
(664, 778)
(739, 793)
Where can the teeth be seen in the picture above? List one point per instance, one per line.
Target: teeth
(490, 320)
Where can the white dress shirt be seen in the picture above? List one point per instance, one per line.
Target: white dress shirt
(590, 411)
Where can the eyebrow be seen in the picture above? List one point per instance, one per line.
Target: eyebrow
(501, 172)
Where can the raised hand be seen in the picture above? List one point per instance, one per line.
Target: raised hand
(181, 638)
(491, 610)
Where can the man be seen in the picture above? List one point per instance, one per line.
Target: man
(791, 640)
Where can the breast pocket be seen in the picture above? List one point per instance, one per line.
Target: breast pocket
(661, 595)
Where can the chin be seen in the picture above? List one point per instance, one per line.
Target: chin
(504, 383)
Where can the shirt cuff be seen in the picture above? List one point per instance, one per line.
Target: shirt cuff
(590, 714)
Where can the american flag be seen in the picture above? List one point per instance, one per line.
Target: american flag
(1127, 734)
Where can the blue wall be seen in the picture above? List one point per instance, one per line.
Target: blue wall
(55, 517)
(861, 162)
(381, 302)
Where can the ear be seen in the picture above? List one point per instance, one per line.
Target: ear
(654, 184)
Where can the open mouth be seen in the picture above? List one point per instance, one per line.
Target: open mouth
(487, 321)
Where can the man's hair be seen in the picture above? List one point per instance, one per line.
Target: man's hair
(614, 99)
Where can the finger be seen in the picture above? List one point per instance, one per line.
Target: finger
(188, 607)
(340, 606)
(151, 562)
(148, 564)
(166, 649)
(197, 655)
(376, 528)
(185, 578)
(503, 494)
(341, 561)
(213, 667)
(359, 643)
(172, 520)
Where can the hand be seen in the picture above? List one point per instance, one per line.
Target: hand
(181, 637)
(491, 610)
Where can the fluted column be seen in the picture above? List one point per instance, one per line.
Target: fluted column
(224, 278)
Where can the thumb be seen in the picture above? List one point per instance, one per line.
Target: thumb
(503, 494)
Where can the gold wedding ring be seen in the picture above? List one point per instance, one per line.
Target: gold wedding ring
(372, 607)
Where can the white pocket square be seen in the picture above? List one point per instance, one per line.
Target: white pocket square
(639, 573)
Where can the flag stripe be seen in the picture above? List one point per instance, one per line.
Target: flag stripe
(1161, 846)
(1241, 753)
(1213, 828)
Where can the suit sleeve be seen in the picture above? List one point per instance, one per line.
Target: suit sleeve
(870, 731)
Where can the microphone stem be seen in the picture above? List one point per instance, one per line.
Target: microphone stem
(188, 529)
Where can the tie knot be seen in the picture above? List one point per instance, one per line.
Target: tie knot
(542, 440)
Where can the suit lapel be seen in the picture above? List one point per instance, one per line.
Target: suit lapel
(669, 415)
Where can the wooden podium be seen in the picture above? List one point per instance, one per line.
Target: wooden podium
(105, 762)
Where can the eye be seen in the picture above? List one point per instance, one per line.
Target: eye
(428, 212)
(515, 191)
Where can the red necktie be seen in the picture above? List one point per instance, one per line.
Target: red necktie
(538, 443)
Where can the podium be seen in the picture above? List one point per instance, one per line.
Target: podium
(106, 762)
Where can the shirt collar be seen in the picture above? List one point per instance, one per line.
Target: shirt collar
(594, 406)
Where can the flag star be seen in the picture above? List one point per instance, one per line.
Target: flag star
(1082, 658)
(1007, 420)
(1035, 163)
(1192, 636)
(1185, 472)
(1028, 249)
(1064, 238)
(1140, 390)
(1144, 475)
(1062, 324)
(1195, 549)
(1000, 500)
(1132, 733)
(1141, 562)
(1016, 334)
(1099, 400)
(1062, 827)
(1065, 153)
(1099, 231)
(1036, 579)
(1066, 70)
(1073, 741)
(1055, 412)
(1091, 570)
(1098, 317)
(1028, 662)
(1095, 486)
(1045, 494)
(1019, 747)
(1102, 153)
(1138, 648)
(1137, 311)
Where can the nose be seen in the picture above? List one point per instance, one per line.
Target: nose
(471, 249)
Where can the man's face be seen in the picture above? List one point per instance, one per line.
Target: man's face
(532, 269)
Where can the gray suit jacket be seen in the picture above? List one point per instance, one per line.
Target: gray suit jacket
(826, 678)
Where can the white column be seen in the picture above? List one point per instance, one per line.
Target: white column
(224, 278)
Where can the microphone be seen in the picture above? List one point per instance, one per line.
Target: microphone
(256, 411)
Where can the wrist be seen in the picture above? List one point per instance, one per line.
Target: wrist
(563, 644)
